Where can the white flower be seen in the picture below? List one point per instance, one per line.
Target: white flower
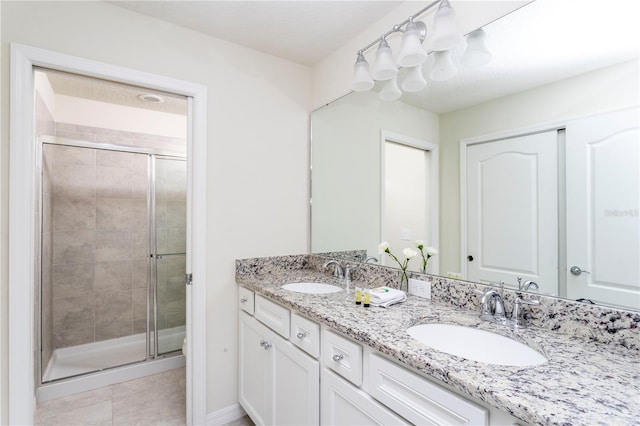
(431, 251)
(383, 247)
(409, 253)
(419, 244)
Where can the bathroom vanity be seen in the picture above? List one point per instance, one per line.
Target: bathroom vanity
(322, 359)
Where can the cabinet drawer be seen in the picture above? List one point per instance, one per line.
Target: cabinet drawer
(419, 400)
(341, 403)
(245, 300)
(342, 356)
(305, 334)
(273, 316)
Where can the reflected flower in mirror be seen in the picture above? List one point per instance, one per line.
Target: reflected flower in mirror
(426, 253)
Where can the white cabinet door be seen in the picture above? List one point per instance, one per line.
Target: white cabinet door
(603, 200)
(279, 384)
(296, 389)
(512, 211)
(344, 404)
(254, 371)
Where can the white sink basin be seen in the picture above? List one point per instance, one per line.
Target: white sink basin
(312, 288)
(476, 345)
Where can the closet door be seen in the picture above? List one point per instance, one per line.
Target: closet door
(512, 211)
(603, 201)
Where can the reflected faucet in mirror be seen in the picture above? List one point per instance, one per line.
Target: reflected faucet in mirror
(527, 285)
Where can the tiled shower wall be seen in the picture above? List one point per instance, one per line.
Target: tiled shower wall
(99, 243)
(99, 230)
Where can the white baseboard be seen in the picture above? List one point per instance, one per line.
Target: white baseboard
(225, 415)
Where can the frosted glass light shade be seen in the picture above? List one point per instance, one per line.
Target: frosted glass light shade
(412, 53)
(446, 34)
(384, 67)
(476, 54)
(443, 68)
(362, 80)
(390, 90)
(414, 80)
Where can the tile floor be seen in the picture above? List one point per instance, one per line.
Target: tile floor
(151, 400)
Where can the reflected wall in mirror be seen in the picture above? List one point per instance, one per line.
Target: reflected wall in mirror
(549, 73)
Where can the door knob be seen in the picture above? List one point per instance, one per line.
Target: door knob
(575, 270)
(470, 258)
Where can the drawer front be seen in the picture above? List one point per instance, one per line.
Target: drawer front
(419, 400)
(305, 334)
(342, 356)
(341, 403)
(273, 316)
(245, 300)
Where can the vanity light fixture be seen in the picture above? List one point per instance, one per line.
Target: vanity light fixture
(390, 90)
(412, 53)
(476, 53)
(362, 80)
(443, 67)
(414, 80)
(384, 68)
(444, 37)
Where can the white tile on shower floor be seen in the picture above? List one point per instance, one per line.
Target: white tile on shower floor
(153, 400)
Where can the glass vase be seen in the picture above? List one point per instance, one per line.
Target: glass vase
(404, 281)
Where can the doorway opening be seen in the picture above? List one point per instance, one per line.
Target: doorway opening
(23, 231)
(409, 201)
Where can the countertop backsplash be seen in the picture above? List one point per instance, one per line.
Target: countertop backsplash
(592, 322)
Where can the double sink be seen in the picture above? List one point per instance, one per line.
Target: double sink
(465, 342)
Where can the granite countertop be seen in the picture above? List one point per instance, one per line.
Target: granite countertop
(583, 382)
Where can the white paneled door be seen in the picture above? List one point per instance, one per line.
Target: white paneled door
(512, 210)
(603, 202)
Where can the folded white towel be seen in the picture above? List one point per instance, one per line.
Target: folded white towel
(386, 296)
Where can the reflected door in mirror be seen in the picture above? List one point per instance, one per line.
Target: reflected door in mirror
(603, 200)
(512, 210)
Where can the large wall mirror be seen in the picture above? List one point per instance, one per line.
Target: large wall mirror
(409, 169)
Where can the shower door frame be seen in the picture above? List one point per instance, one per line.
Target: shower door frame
(151, 352)
(21, 251)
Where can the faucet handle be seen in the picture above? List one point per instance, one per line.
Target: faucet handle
(516, 315)
(348, 271)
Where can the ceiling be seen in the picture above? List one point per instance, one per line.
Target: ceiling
(113, 93)
(542, 42)
(303, 31)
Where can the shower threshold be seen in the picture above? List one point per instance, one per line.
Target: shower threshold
(97, 356)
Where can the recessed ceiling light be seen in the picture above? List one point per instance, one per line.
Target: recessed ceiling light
(150, 98)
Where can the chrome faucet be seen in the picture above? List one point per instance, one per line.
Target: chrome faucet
(338, 272)
(493, 310)
(372, 259)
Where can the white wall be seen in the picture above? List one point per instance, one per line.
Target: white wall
(346, 184)
(597, 91)
(258, 120)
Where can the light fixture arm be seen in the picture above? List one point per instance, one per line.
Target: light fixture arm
(398, 28)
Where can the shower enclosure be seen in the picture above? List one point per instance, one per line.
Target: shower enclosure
(112, 256)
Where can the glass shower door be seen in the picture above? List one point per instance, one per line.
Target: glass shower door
(170, 193)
